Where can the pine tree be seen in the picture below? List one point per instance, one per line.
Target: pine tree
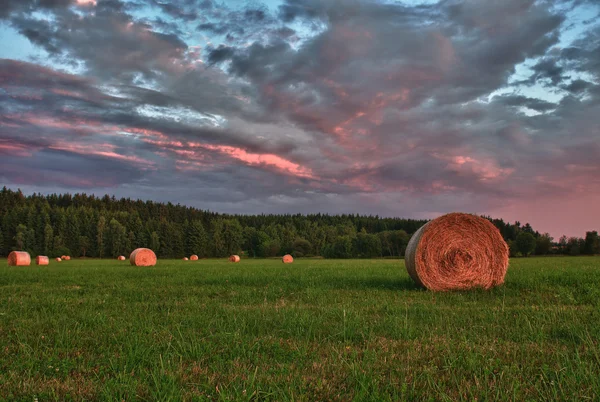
(100, 228)
(197, 239)
(155, 242)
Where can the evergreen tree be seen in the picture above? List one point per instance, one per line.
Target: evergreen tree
(154, 242)
(100, 228)
(20, 237)
(48, 239)
(196, 239)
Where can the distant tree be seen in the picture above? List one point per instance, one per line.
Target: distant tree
(100, 229)
(367, 245)
(84, 244)
(525, 243)
(48, 239)
(592, 243)
(154, 242)
(20, 237)
(2, 242)
(575, 245)
(563, 245)
(196, 239)
(301, 248)
(543, 244)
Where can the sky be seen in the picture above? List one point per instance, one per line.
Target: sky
(394, 108)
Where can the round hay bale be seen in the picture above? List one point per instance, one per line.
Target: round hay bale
(58, 259)
(19, 259)
(121, 258)
(457, 252)
(143, 257)
(68, 258)
(234, 258)
(63, 257)
(42, 260)
(287, 259)
(194, 258)
(185, 259)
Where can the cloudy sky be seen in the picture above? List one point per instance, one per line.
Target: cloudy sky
(397, 108)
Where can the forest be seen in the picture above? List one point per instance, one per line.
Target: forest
(82, 225)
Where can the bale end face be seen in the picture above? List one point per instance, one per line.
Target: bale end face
(457, 252)
(19, 259)
(142, 257)
(287, 259)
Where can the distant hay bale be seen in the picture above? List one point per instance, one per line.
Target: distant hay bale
(185, 259)
(63, 257)
(287, 259)
(457, 252)
(58, 259)
(143, 257)
(19, 259)
(234, 258)
(68, 257)
(121, 258)
(42, 260)
(194, 257)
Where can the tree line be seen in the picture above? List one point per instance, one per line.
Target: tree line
(84, 225)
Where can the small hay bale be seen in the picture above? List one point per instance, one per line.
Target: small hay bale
(42, 260)
(19, 259)
(63, 257)
(185, 259)
(121, 258)
(234, 258)
(457, 252)
(58, 259)
(143, 257)
(68, 257)
(194, 257)
(287, 259)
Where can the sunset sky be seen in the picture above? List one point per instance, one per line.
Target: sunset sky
(397, 108)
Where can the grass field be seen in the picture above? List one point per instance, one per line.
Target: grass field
(313, 330)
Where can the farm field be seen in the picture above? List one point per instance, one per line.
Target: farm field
(312, 330)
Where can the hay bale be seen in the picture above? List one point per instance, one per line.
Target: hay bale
(194, 258)
(68, 257)
(287, 259)
(234, 258)
(121, 258)
(19, 259)
(457, 252)
(42, 260)
(143, 257)
(185, 259)
(58, 259)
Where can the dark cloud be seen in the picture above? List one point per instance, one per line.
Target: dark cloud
(343, 106)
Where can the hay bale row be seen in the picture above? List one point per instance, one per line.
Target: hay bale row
(457, 252)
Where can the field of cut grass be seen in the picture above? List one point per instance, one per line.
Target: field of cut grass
(315, 330)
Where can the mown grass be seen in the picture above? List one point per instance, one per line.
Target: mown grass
(313, 330)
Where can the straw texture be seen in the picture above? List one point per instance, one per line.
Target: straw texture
(19, 259)
(457, 252)
(143, 257)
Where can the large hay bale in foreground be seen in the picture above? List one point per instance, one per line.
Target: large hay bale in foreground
(287, 259)
(19, 259)
(42, 260)
(457, 252)
(194, 258)
(143, 257)
(234, 258)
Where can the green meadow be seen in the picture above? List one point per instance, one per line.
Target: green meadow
(315, 330)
